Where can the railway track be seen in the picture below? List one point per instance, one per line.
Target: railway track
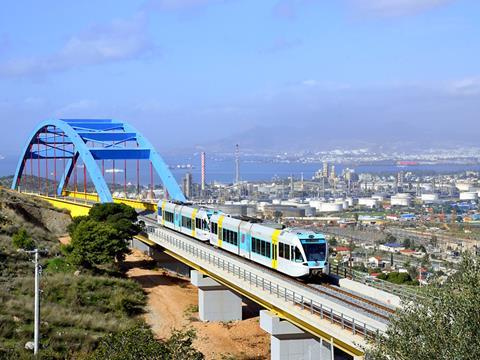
(355, 300)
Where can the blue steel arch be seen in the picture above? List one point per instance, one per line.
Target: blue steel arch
(79, 132)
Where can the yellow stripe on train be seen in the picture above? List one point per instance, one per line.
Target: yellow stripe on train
(194, 217)
(275, 236)
(220, 233)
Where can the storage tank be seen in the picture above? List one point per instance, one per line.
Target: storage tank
(401, 200)
(330, 207)
(342, 202)
(468, 195)
(368, 202)
(463, 186)
(429, 198)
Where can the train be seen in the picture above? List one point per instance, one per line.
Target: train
(296, 252)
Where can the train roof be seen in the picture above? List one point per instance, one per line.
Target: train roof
(304, 232)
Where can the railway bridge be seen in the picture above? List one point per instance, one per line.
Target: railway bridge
(75, 163)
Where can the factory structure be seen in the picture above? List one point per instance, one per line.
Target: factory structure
(329, 193)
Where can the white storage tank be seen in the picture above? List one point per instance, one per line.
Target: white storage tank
(401, 200)
(429, 198)
(330, 207)
(368, 202)
(468, 195)
(463, 186)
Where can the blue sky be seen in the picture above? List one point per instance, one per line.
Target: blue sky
(210, 71)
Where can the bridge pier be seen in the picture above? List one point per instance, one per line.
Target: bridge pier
(288, 342)
(215, 301)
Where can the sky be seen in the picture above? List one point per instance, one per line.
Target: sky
(267, 74)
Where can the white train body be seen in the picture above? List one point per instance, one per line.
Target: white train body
(294, 252)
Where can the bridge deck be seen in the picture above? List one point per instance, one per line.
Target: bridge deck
(288, 298)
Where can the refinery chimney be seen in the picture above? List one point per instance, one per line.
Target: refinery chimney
(237, 164)
(202, 160)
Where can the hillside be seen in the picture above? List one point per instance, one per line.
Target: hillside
(37, 216)
(78, 308)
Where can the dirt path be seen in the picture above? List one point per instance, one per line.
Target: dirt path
(172, 303)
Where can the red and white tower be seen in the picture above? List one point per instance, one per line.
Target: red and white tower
(202, 160)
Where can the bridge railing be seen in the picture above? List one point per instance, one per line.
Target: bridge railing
(281, 292)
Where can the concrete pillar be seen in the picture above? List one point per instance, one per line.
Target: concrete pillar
(215, 301)
(288, 342)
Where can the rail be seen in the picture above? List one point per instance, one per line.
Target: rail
(288, 295)
(364, 278)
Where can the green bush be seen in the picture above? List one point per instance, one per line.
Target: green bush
(58, 265)
(138, 343)
(22, 240)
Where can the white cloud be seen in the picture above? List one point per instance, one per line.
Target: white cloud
(397, 7)
(116, 41)
(289, 9)
(467, 86)
(181, 5)
(283, 44)
(77, 108)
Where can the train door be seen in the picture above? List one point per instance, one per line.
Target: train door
(275, 236)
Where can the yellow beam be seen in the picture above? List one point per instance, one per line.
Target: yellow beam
(351, 350)
(136, 204)
(76, 209)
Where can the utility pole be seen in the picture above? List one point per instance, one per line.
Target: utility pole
(237, 164)
(36, 331)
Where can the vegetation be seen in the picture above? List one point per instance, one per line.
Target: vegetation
(21, 240)
(76, 310)
(138, 343)
(101, 237)
(443, 324)
(399, 278)
(84, 315)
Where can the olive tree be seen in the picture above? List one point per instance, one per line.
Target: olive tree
(442, 324)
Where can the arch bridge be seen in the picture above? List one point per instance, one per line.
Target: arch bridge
(61, 154)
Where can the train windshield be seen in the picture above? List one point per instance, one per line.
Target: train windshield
(315, 251)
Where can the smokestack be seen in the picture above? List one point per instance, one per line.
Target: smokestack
(202, 160)
(237, 164)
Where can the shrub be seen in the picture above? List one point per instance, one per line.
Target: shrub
(22, 240)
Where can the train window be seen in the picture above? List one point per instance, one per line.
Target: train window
(186, 222)
(280, 249)
(214, 228)
(230, 237)
(260, 247)
(297, 255)
(287, 252)
(168, 216)
(159, 211)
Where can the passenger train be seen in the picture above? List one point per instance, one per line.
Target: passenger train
(295, 252)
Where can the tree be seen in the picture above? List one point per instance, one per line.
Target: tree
(96, 243)
(139, 343)
(22, 240)
(333, 241)
(407, 243)
(122, 217)
(390, 239)
(442, 324)
(102, 236)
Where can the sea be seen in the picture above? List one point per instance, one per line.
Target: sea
(223, 170)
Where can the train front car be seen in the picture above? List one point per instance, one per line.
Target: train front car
(314, 248)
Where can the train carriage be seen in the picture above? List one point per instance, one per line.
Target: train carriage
(188, 220)
(295, 252)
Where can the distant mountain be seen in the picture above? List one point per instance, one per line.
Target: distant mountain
(334, 135)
